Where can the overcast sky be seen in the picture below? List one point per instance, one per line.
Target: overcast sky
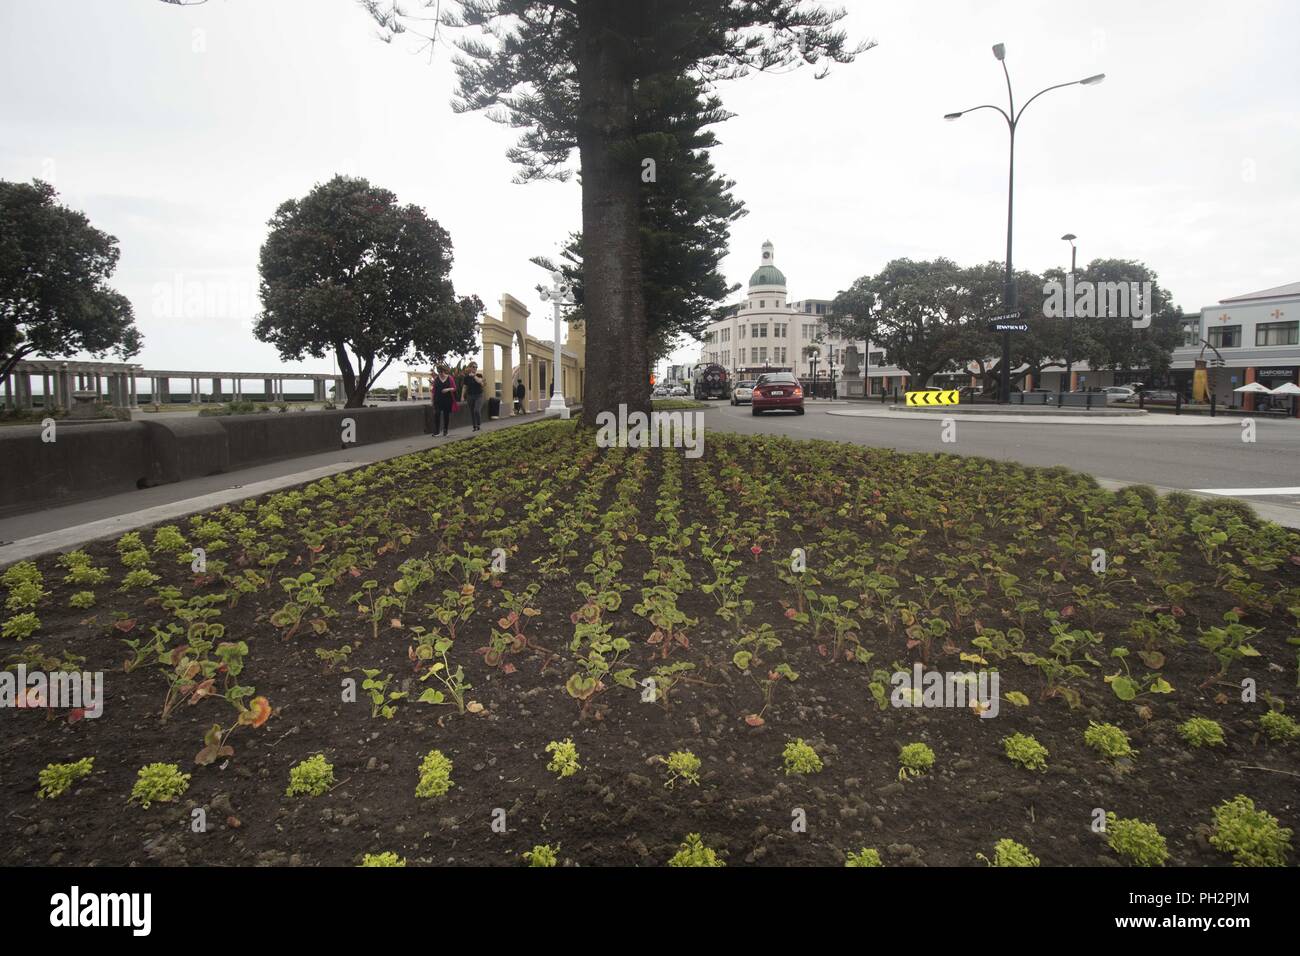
(179, 130)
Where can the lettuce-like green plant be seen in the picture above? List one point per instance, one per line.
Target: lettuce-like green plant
(1010, 853)
(564, 762)
(800, 758)
(542, 855)
(693, 852)
(139, 578)
(864, 857)
(57, 778)
(1202, 732)
(1252, 837)
(82, 600)
(388, 858)
(682, 765)
(1136, 843)
(1278, 727)
(914, 759)
(435, 775)
(312, 776)
(159, 783)
(1108, 740)
(21, 626)
(1024, 750)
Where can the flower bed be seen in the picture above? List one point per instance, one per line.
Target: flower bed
(528, 650)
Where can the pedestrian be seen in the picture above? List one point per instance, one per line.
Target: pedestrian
(519, 395)
(444, 400)
(473, 394)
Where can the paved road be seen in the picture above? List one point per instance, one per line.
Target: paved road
(1166, 455)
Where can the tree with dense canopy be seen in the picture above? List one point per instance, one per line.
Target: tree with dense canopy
(347, 270)
(54, 270)
(685, 216)
(566, 72)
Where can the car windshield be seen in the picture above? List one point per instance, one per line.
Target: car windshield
(778, 378)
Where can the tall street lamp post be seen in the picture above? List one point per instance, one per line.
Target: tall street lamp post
(560, 294)
(1013, 120)
(1069, 322)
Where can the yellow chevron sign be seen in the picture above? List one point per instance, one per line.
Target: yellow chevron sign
(934, 398)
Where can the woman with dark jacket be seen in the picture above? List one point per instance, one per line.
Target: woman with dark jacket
(444, 397)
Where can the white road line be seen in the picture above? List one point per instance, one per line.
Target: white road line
(1240, 492)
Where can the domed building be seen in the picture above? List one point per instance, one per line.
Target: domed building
(766, 332)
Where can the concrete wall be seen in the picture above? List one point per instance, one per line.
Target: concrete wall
(95, 459)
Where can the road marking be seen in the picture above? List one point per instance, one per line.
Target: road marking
(1239, 492)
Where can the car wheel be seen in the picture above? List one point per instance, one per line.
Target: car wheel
(799, 410)
(753, 411)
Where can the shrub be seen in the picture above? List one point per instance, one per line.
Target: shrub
(82, 600)
(693, 852)
(139, 578)
(682, 765)
(1108, 740)
(800, 758)
(1253, 837)
(1010, 853)
(1136, 843)
(1023, 749)
(864, 857)
(159, 783)
(435, 775)
(541, 855)
(26, 594)
(564, 763)
(914, 759)
(1202, 732)
(312, 776)
(382, 859)
(1278, 726)
(21, 626)
(56, 778)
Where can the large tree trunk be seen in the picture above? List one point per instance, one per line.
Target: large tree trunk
(618, 357)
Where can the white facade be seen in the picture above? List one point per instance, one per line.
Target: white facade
(768, 332)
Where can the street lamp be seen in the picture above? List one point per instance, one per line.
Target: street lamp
(1069, 322)
(560, 294)
(1013, 120)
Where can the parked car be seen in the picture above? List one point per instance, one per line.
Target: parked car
(776, 390)
(743, 392)
(680, 390)
(1160, 396)
(660, 391)
(1118, 393)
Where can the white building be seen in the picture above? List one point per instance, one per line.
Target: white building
(1256, 335)
(766, 332)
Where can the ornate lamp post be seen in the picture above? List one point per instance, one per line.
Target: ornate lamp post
(560, 295)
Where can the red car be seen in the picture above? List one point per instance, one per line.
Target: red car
(777, 390)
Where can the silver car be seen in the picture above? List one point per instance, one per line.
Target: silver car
(1118, 393)
(743, 393)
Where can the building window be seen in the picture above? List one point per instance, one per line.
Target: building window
(1277, 333)
(877, 359)
(762, 303)
(760, 330)
(741, 353)
(1224, 336)
(807, 307)
(779, 330)
(1191, 333)
(742, 331)
(821, 309)
(762, 354)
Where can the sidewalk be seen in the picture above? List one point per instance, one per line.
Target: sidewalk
(70, 526)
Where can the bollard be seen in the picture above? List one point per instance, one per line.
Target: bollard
(1142, 399)
(1212, 412)
(1178, 403)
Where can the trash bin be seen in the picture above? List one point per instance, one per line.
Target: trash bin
(494, 407)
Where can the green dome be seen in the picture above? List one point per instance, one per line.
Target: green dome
(767, 275)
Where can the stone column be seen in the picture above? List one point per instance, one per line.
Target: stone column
(216, 389)
(507, 381)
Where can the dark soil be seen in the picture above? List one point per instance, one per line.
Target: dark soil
(616, 810)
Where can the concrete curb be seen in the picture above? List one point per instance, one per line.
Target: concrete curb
(1128, 421)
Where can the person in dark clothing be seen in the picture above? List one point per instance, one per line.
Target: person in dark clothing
(519, 395)
(473, 394)
(444, 397)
